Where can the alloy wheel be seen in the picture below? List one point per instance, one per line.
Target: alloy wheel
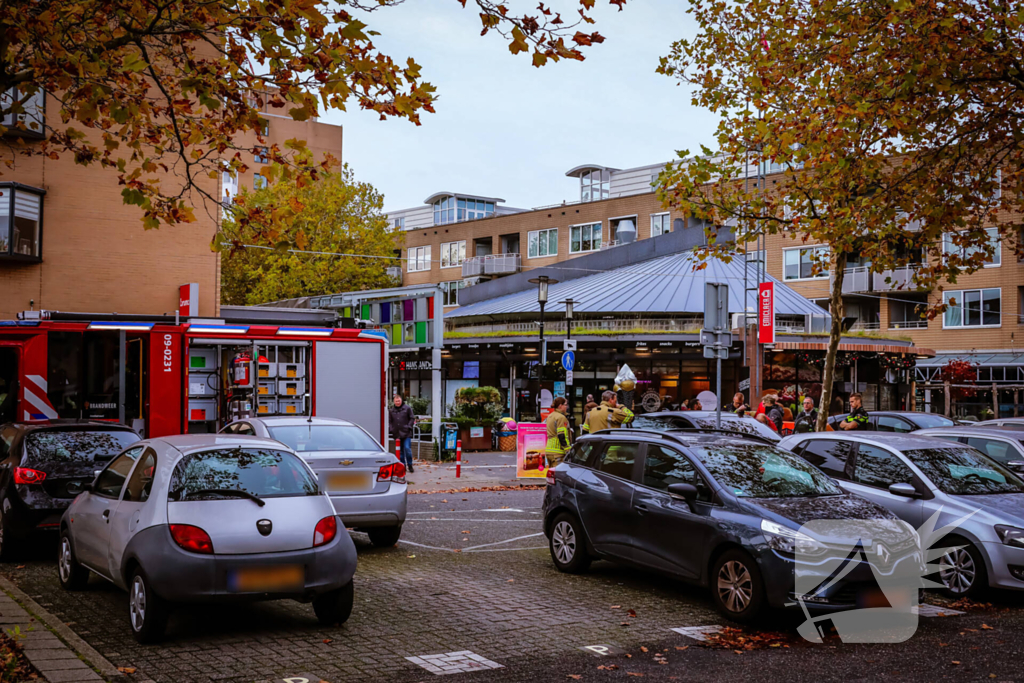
(64, 562)
(957, 571)
(563, 539)
(735, 587)
(137, 603)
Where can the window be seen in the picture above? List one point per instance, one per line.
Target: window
(993, 261)
(1000, 451)
(308, 439)
(888, 423)
(453, 254)
(805, 263)
(21, 221)
(471, 209)
(399, 224)
(757, 257)
(661, 224)
(419, 259)
(53, 446)
(972, 308)
(141, 483)
(229, 183)
(259, 472)
(879, 468)
(29, 118)
(259, 182)
(617, 459)
(665, 466)
(246, 429)
(580, 453)
(829, 456)
(450, 292)
(111, 480)
(542, 243)
(261, 155)
(594, 185)
(584, 238)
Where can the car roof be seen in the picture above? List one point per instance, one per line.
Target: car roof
(992, 422)
(65, 424)
(968, 430)
(686, 438)
(289, 421)
(892, 440)
(703, 414)
(191, 443)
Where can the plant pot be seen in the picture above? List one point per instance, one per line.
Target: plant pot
(480, 443)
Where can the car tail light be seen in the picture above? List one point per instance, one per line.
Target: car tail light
(325, 531)
(398, 473)
(192, 538)
(385, 472)
(549, 477)
(24, 475)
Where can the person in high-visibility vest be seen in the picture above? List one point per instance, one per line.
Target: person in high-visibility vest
(608, 415)
(558, 432)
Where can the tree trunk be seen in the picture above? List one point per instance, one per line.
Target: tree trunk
(835, 309)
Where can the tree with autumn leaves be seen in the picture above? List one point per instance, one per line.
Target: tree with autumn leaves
(165, 91)
(894, 122)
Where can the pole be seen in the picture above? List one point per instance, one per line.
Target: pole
(568, 389)
(543, 343)
(435, 395)
(718, 390)
(458, 458)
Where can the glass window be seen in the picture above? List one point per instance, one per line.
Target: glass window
(580, 453)
(1000, 451)
(829, 456)
(306, 438)
(111, 480)
(972, 308)
(52, 446)
(450, 292)
(888, 423)
(419, 259)
(993, 245)
(261, 155)
(799, 264)
(20, 222)
(665, 466)
(584, 238)
(246, 429)
(258, 471)
(141, 483)
(760, 471)
(453, 254)
(542, 243)
(618, 458)
(660, 224)
(259, 182)
(879, 468)
(964, 471)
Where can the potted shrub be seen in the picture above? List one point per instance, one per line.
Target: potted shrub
(476, 410)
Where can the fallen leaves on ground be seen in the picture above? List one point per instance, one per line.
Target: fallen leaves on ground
(616, 606)
(643, 648)
(739, 640)
(635, 673)
(968, 605)
(631, 612)
(13, 661)
(126, 669)
(574, 677)
(482, 489)
(327, 641)
(465, 531)
(608, 667)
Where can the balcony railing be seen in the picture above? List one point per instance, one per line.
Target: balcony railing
(908, 325)
(899, 278)
(493, 264)
(865, 325)
(856, 280)
(395, 272)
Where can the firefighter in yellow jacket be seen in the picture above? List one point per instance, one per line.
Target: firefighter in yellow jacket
(608, 415)
(558, 432)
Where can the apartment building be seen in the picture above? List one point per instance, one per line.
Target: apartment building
(69, 243)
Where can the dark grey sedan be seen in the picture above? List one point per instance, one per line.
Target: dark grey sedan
(721, 511)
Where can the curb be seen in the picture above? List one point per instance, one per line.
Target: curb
(87, 652)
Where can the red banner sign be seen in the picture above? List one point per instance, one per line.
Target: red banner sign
(766, 313)
(188, 300)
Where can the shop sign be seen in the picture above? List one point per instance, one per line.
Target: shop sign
(664, 343)
(641, 345)
(188, 300)
(744, 384)
(476, 432)
(418, 365)
(531, 442)
(766, 313)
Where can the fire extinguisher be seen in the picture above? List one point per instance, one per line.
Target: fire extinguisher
(241, 368)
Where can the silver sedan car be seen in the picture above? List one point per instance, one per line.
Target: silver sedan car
(366, 483)
(208, 518)
(918, 477)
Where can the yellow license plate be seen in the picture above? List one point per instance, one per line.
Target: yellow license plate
(267, 579)
(350, 481)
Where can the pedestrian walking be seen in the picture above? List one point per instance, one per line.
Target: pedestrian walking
(807, 420)
(558, 432)
(608, 415)
(401, 420)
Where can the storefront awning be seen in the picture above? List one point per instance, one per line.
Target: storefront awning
(985, 359)
(859, 348)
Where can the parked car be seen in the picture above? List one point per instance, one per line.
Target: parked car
(721, 511)
(366, 483)
(918, 476)
(1003, 444)
(902, 422)
(207, 518)
(39, 461)
(1006, 422)
(704, 420)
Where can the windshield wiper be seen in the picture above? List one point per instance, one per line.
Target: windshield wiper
(230, 492)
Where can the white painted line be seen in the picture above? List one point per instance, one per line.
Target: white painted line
(925, 610)
(505, 550)
(454, 663)
(420, 545)
(698, 632)
(517, 538)
(463, 519)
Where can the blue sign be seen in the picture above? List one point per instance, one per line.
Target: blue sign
(568, 360)
(449, 439)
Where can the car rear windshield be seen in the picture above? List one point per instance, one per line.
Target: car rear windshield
(261, 472)
(761, 471)
(964, 471)
(306, 438)
(740, 425)
(927, 421)
(76, 445)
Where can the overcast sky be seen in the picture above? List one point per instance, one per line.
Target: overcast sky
(506, 129)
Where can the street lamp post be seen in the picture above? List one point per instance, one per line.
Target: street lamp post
(542, 282)
(568, 335)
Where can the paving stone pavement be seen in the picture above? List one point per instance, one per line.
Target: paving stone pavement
(410, 601)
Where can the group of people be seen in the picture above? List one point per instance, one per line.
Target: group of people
(608, 415)
(770, 413)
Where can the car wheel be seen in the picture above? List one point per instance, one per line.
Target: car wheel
(736, 586)
(384, 536)
(335, 607)
(147, 611)
(962, 571)
(568, 545)
(72, 575)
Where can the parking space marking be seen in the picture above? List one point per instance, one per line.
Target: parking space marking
(517, 538)
(430, 547)
(926, 610)
(454, 663)
(700, 633)
(603, 650)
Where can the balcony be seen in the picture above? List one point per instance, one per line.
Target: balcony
(865, 326)
(899, 279)
(493, 264)
(908, 324)
(395, 273)
(856, 280)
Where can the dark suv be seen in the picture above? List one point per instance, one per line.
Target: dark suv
(721, 511)
(38, 464)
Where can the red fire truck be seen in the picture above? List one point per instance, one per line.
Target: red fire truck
(167, 376)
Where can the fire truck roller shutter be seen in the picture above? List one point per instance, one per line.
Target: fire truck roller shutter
(348, 383)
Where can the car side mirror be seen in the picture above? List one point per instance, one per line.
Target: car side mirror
(905, 490)
(687, 492)
(1016, 465)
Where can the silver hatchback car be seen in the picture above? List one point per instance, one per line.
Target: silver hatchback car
(208, 518)
(365, 482)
